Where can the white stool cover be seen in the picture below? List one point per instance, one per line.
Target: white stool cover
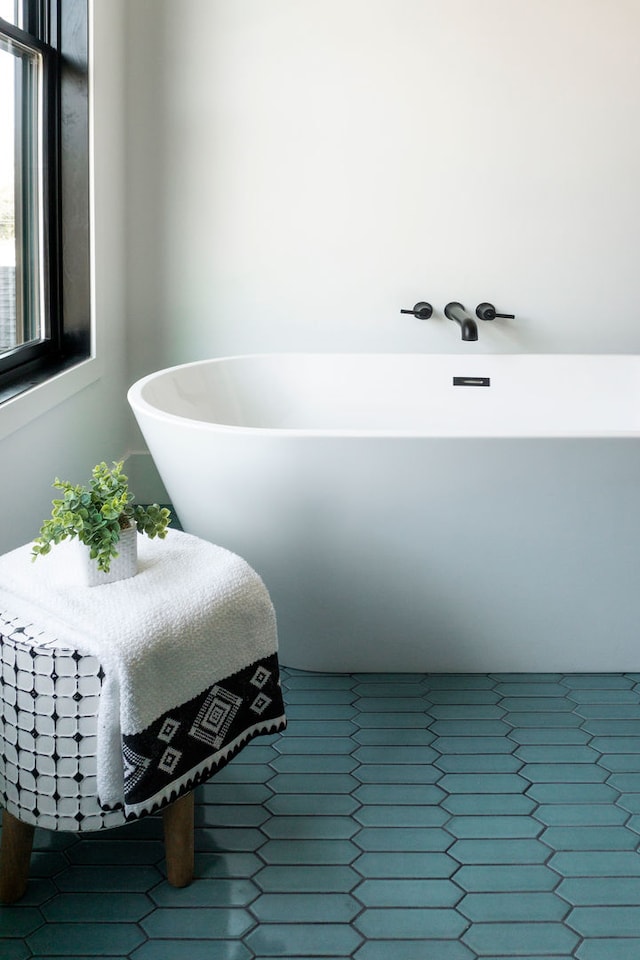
(49, 698)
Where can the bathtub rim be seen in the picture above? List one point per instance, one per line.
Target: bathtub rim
(139, 404)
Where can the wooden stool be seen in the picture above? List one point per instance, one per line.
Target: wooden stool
(49, 697)
(17, 841)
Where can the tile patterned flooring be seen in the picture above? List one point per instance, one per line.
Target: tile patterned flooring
(399, 817)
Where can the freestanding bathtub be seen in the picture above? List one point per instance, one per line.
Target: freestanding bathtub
(418, 512)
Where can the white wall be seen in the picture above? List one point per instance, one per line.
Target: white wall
(299, 170)
(66, 427)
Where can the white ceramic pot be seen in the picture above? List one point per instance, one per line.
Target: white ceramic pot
(122, 567)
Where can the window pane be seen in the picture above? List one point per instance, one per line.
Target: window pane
(21, 292)
(11, 10)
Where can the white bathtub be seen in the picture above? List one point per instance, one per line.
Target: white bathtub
(404, 523)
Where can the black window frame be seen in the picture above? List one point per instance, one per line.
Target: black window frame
(58, 31)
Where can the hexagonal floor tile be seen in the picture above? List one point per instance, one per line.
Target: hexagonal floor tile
(395, 811)
(416, 923)
(294, 940)
(519, 939)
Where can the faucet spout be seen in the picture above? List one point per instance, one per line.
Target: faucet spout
(469, 330)
(455, 311)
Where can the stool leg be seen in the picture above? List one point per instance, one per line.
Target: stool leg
(178, 840)
(15, 855)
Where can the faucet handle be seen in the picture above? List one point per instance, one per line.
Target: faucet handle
(487, 311)
(422, 310)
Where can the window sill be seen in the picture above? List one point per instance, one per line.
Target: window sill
(26, 401)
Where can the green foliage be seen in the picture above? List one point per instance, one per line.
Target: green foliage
(96, 514)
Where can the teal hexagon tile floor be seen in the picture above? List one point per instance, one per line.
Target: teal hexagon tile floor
(399, 817)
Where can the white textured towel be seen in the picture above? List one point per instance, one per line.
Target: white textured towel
(194, 614)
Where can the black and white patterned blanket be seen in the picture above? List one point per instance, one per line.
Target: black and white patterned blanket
(188, 744)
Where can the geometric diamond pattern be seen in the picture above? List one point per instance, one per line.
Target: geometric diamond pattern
(134, 765)
(460, 817)
(215, 716)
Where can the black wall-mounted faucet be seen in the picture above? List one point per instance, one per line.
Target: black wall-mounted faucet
(421, 310)
(455, 311)
(487, 311)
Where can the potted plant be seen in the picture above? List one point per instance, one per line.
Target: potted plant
(102, 517)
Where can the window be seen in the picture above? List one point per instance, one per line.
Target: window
(44, 190)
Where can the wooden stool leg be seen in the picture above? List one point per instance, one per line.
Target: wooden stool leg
(15, 856)
(178, 840)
